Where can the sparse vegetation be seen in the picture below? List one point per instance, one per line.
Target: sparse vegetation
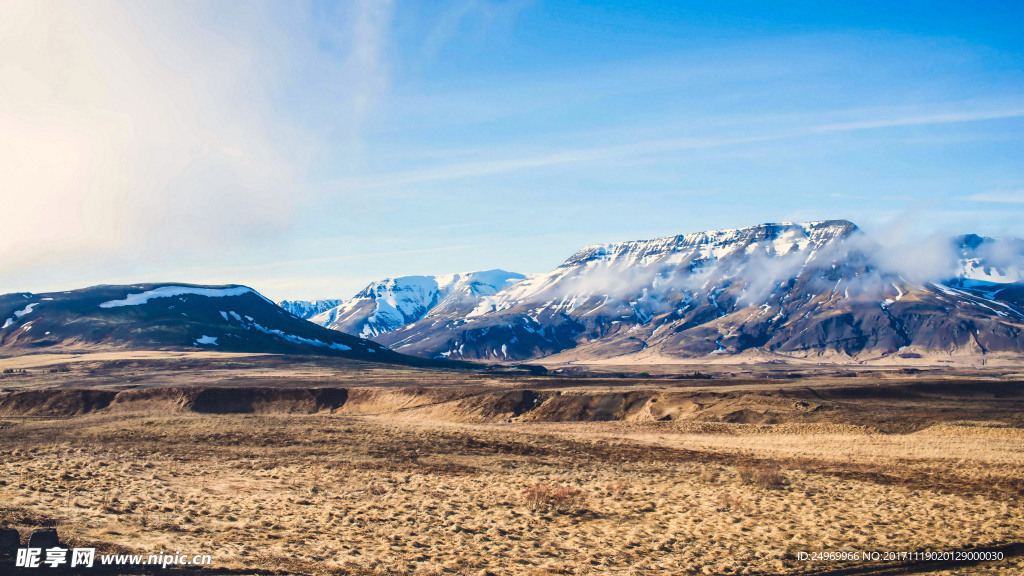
(546, 497)
(767, 474)
(385, 495)
(413, 480)
(708, 475)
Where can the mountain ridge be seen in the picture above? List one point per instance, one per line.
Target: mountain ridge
(775, 291)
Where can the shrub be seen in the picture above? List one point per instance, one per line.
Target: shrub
(619, 487)
(546, 497)
(709, 475)
(767, 475)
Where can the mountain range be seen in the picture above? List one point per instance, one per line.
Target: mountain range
(817, 291)
(812, 290)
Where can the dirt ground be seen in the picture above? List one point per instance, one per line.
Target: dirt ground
(458, 482)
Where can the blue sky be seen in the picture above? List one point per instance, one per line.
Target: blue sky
(305, 149)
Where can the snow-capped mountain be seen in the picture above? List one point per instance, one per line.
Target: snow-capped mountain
(813, 289)
(306, 309)
(169, 316)
(393, 302)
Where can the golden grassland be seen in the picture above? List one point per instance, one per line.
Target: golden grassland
(337, 494)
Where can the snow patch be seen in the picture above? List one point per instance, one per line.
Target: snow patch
(169, 291)
(18, 314)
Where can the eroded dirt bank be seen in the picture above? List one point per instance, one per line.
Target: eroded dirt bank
(897, 407)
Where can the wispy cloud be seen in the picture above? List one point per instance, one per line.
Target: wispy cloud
(996, 197)
(482, 13)
(507, 165)
(940, 118)
(366, 65)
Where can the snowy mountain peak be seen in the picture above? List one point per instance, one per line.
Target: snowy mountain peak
(394, 302)
(306, 309)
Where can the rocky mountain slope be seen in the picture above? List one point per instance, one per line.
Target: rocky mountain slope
(819, 289)
(394, 302)
(167, 316)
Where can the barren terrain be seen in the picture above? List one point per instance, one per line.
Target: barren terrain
(314, 467)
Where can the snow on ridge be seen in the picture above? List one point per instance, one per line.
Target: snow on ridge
(299, 339)
(717, 243)
(277, 333)
(19, 313)
(641, 274)
(204, 339)
(326, 317)
(972, 269)
(169, 291)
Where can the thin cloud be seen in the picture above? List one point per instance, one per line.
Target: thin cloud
(483, 13)
(366, 63)
(661, 146)
(949, 118)
(996, 197)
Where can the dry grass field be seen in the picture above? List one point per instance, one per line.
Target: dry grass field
(439, 487)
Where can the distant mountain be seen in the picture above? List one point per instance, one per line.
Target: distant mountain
(819, 289)
(306, 309)
(394, 302)
(168, 316)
